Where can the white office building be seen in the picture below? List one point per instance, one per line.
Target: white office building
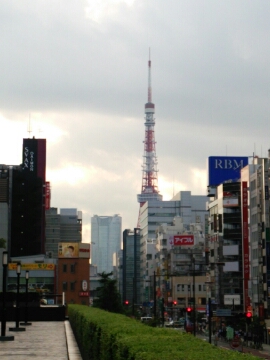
(191, 208)
(106, 232)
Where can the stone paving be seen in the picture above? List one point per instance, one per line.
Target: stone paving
(41, 340)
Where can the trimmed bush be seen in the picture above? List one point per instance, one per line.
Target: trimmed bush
(102, 335)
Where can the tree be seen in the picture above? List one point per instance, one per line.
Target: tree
(2, 243)
(108, 298)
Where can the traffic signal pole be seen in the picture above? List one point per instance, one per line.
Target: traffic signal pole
(155, 297)
(209, 320)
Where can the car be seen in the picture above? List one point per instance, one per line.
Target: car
(179, 324)
(146, 318)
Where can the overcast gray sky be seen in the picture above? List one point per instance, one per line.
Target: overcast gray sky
(78, 69)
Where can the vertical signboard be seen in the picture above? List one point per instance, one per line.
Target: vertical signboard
(34, 157)
(245, 243)
(47, 195)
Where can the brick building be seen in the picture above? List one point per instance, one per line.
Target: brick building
(74, 272)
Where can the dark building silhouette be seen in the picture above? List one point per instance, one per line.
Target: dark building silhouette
(22, 197)
(131, 266)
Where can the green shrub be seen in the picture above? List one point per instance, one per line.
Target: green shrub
(102, 335)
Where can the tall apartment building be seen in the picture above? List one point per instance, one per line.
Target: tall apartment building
(106, 234)
(226, 244)
(22, 198)
(256, 176)
(62, 227)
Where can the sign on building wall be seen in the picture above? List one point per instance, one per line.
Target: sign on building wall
(232, 299)
(47, 195)
(68, 250)
(179, 240)
(222, 168)
(245, 242)
(230, 202)
(74, 250)
(84, 251)
(36, 266)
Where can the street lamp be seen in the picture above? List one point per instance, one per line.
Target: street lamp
(17, 327)
(26, 299)
(3, 336)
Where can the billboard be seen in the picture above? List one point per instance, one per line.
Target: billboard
(179, 240)
(74, 250)
(223, 168)
(68, 250)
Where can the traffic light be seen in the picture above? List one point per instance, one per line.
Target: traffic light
(188, 310)
(126, 302)
(174, 303)
(248, 317)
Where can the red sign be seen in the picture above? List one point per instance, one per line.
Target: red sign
(47, 195)
(179, 240)
(245, 242)
(84, 293)
(235, 343)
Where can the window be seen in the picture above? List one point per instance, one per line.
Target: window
(65, 287)
(200, 287)
(64, 268)
(72, 268)
(72, 286)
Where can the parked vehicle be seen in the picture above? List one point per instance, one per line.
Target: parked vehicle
(146, 318)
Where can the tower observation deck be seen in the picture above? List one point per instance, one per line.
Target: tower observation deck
(149, 189)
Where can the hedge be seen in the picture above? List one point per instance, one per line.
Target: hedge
(102, 335)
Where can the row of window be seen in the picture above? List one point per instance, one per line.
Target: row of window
(72, 268)
(185, 287)
(71, 286)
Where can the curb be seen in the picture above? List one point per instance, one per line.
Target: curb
(72, 346)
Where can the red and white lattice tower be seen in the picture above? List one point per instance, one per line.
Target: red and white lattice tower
(149, 173)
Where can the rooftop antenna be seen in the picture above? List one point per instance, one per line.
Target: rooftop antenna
(149, 78)
(29, 129)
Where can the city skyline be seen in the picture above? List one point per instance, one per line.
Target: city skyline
(76, 74)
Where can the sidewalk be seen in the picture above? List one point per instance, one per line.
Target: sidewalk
(41, 341)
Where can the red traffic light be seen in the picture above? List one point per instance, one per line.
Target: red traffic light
(189, 309)
(248, 314)
(126, 302)
(174, 302)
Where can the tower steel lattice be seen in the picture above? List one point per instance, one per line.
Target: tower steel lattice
(149, 190)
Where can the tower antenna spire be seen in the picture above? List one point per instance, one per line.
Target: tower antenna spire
(149, 78)
(149, 189)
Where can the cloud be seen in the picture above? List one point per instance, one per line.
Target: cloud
(79, 69)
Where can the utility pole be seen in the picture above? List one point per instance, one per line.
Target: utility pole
(194, 301)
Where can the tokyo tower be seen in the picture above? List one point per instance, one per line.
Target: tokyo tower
(149, 189)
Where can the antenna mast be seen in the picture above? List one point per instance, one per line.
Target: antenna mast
(149, 189)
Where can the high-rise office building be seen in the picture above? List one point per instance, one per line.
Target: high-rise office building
(106, 234)
(131, 266)
(62, 227)
(22, 190)
(191, 208)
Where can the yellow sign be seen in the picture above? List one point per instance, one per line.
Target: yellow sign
(36, 266)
